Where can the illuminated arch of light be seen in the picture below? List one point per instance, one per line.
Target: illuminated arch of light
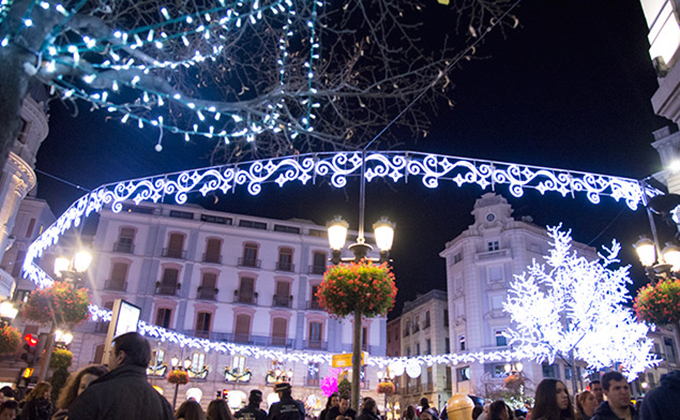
(335, 167)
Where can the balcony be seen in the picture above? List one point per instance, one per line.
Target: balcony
(124, 247)
(249, 262)
(416, 328)
(282, 301)
(115, 285)
(406, 332)
(493, 255)
(249, 299)
(427, 325)
(312, 382)
(313, 305)
(285, 266)
(167, 289)
(212, 258)
(317, 269)
(202, 334)
(429, 387)
(205, 293)
(316, 345)
(174, 253)
(255, 340)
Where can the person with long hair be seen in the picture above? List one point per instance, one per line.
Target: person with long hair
(552, 401)
(410, 413)
(585, 405)
(75, 385)
(333, 401)
(499, 410)
(37, 404)
(190, 410)
(218, 410)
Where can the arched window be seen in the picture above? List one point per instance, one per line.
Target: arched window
(203, 320)
(249, 258)
(285, 262)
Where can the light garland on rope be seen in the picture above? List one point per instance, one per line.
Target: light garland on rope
(129, 61)
(336, 167)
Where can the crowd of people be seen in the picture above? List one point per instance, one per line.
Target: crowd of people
(122, 391)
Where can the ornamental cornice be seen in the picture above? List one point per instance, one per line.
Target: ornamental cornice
(24, 170)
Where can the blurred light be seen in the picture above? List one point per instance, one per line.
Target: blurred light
(337, 233)
(644, 248)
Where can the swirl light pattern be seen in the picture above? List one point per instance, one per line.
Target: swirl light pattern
(337, 168)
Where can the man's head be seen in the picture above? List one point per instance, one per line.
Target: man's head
(344, 403)
(9, 410)
(617, 390)
(596, 390)
(283, 389)
(255, 397)
(131, 349)
(369, 405)
(424, 403)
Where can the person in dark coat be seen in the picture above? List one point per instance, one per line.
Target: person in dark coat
(252, 411)
(663, 403)
(618, 405)
(287, 408)
(37, 404)
(124, 392)
(369, 410)
(333, 401)
(342, 411)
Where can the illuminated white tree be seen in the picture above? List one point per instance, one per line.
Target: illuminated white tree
(297, 75)
(573, 309)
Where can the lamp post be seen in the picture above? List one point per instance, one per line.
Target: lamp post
(186, 365)
(386, 377)
(71, 271)
(62, 338)
(7, 313)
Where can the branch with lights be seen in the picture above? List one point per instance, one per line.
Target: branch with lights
(337, 167)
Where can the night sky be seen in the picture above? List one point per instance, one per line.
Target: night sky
(569, 88)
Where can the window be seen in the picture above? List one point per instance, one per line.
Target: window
(567, 372)
(429, 375)
(203, 324)
(238, 364)
(16, 268)
(285, 262)
(246, 291)
(427, 319)
(168, 284)
(495, 370)
(364, 339)
(126, 241)
(463, 374)
(282, 296)
(407, 328)
(428, 346)
(318, 233)
(458, 257)
(314, 302)
(213, 251)
(208, 289)
(118, 277)
(250, 256)
(31, 225)
(447, 345)
(501, 340)
(251, 224)
(548, 371)
(497, 302)
(492, 246)
(416, 324)
(175, 247)
(181, 214)
(197, 361)
(461, 343)
(216, 219)
(129, 208)
(670, 350)
(319, 263)
(242, 329)
(163, 317)
(312, 374)
(417, 349)
(287, 229)
(279, 331)
(446, 317)
(315, 334)
(448, 384)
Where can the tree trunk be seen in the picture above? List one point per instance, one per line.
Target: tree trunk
(356, 360)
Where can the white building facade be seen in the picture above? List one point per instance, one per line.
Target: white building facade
(480, 263)
(226, 277)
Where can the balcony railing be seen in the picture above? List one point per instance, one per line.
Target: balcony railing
(313, 304)
(316, 345)
(202, 334)
(206, 293)
(124, 247)
(282, 301)
(249, 262)
(174, 253)
(116, 285)
(406, 333)
(250, 299)
(256, 340)
(317, 269)
(285, 266)
(312, 382)
(212, 258)
(167, 289)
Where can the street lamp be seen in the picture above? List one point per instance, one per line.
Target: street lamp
(513, 368)
(7, 313)
(62, 338)
(186, 365)
(657, 262)
(337, 236)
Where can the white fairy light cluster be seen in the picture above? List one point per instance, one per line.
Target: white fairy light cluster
(120, 70)
(576, 306)
(621, 345)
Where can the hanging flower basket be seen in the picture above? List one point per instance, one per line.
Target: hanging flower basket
(10, 338)
(386, 388)
(363, 285)
(514, 382)
(659, 303)
(61, 358)
(178, 377)
(61, 302)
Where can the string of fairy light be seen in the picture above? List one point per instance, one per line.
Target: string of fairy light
(336, 167)
(128, 62)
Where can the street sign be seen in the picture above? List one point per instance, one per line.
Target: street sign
(345, 360)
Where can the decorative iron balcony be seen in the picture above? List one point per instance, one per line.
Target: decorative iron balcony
(282, 301)
(206, 293)
(249, 262)
(250, 299)
(285, 266)
(120, 286)
(316, 345)
(212, 258)
(317, 269)
(124, 247)
(167, 289)
(174, 253)
(314, 305)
